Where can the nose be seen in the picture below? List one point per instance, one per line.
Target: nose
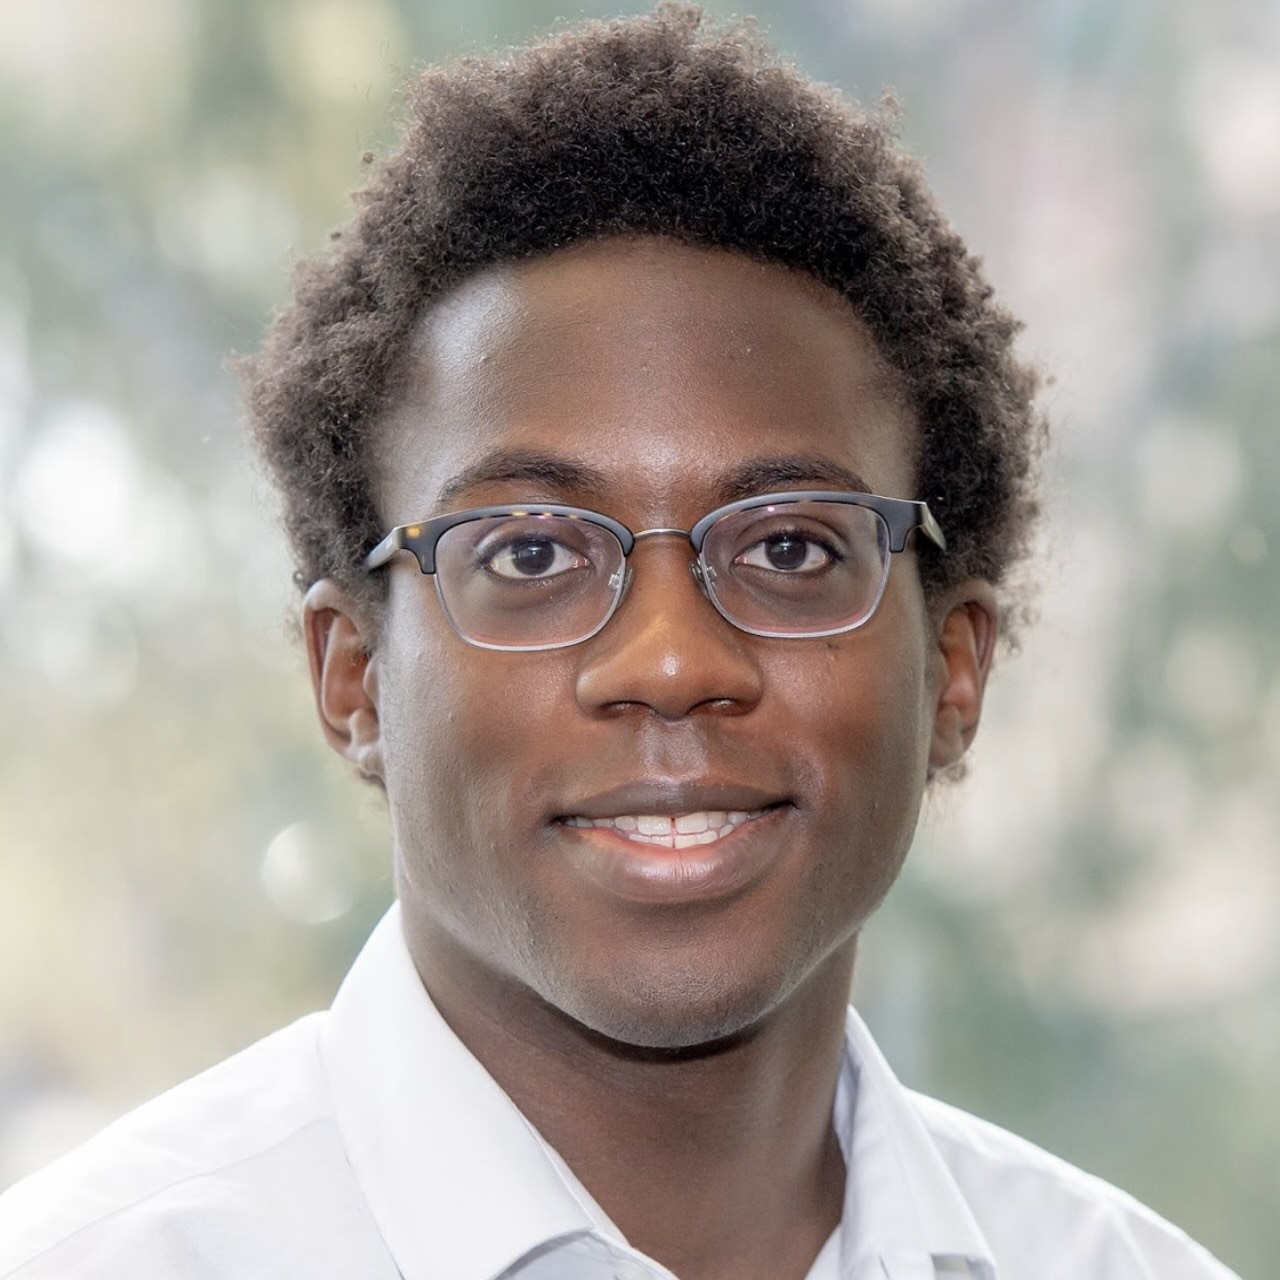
(667, 650)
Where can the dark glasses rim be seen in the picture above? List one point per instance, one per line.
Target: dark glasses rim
(902, 516)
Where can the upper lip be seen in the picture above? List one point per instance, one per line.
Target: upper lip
(672, 797)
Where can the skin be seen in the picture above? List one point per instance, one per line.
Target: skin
(679, 1050)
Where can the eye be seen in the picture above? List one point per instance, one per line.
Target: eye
(529, 556)
(787, 551)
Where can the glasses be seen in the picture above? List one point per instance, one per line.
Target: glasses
(543, 576)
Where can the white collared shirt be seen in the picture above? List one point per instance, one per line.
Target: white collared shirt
(367, 1142)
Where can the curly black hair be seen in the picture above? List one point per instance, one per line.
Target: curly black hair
(671, 125)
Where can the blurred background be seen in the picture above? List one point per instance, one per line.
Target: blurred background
(1085, 945)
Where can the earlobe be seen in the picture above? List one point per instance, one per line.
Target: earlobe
(966, 643)
(343, 675)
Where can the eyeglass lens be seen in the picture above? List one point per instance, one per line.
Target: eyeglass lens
(538, 581)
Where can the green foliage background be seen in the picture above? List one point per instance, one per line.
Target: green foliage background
(1084, 947)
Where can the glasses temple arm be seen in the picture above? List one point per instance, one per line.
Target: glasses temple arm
(930, 527)
(383, 552)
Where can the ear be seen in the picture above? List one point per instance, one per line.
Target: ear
(344, 675)
(966, 642)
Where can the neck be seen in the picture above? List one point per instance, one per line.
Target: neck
(715, 1161)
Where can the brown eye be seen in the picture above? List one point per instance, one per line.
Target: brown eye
(786, 552)
(530, 557)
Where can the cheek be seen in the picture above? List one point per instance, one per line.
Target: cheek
(870, 704)
(458, 723)
(872, 758)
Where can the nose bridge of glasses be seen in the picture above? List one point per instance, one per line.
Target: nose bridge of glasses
(660, 533)
(671, 533)
(701, 574)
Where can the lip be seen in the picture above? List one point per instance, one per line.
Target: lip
(672, 797)
(656, 874)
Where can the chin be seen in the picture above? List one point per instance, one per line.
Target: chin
(673, 1013)
(685, 1032)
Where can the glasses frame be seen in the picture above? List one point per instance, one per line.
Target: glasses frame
(901, 516)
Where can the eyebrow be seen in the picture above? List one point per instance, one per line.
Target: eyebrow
(566, 476)
(763, 475)
(546, 470)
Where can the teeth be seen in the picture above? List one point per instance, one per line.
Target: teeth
(688, 824)
(697, 837)
(681, 832)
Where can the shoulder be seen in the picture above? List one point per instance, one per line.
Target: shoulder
(1044, 1217)
(208, 1169)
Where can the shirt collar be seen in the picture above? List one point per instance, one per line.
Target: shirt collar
(457, 1180)
(460, 1184)
(902, 1207)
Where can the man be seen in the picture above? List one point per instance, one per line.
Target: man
(654, 456)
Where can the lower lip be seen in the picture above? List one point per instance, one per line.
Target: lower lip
(652, 873)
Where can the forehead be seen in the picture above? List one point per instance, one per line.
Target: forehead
(657, 367)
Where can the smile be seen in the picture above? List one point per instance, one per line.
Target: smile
(681, 831)
(678, 858)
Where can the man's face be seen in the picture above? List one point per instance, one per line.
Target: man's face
(652, 372)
